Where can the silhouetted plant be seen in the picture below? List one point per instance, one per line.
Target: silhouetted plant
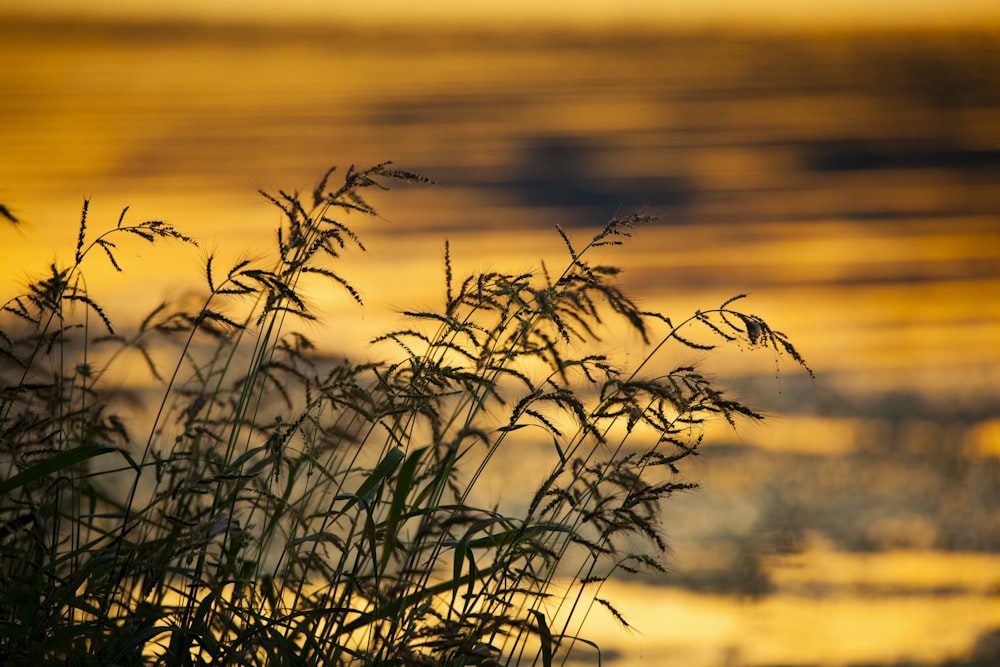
(283, 507)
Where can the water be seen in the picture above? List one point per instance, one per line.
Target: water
(847, 182)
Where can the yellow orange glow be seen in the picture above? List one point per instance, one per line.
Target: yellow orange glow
(185, 126)
(884, 13)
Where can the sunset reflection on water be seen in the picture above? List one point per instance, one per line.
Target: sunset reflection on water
(848, 183)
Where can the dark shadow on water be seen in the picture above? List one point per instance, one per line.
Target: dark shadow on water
(566, 171)
(862, 155)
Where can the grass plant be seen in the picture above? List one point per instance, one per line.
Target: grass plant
(279, 507)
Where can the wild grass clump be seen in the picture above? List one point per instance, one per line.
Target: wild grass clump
(271, 506)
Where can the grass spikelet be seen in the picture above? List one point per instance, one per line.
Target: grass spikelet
(7, 215)
(449, 298)
(82, 231)
(614, 612)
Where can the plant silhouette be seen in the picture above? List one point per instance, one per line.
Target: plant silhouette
(279, 506)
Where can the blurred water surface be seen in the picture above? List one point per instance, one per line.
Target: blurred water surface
(849, 182)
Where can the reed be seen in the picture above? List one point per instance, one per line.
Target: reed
(280, 507)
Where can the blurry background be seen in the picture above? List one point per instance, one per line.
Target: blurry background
(841, 164)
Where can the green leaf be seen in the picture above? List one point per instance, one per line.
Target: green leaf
(404, 484)
(382, 471)
(545, 636)
(60, 461)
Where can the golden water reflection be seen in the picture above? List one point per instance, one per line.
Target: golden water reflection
(848, 183)
(842, 624)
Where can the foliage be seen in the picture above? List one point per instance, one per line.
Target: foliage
(282, 507)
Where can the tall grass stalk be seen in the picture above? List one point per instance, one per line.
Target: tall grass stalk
(282, 507)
